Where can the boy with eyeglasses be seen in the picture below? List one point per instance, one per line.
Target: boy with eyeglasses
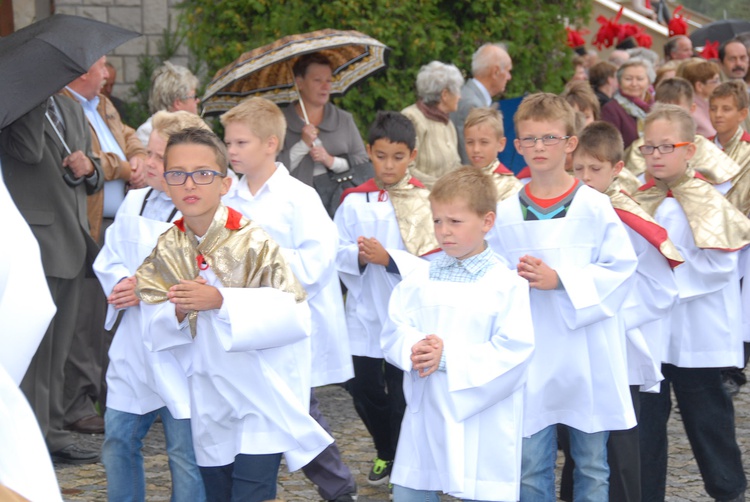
(709, 161)
(705, 334)
(567, 241)
(143, 385)
(217, 289)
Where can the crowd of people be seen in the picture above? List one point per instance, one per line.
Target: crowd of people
(479, 318)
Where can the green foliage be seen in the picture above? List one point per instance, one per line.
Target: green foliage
(417, 31)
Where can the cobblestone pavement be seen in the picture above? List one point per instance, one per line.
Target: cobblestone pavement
(88, 483)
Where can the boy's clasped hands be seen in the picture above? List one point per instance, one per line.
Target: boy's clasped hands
(538, 273)
(372, 251)
(426, 354)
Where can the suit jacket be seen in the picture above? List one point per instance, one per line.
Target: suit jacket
(471, 97)
(31, 156)
(112, 166)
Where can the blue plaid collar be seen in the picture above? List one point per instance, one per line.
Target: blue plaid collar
(474, 265)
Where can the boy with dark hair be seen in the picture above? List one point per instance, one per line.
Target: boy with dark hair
(705, 334)
(597, 162)
(728, 107)
(385, 226)
(461, 330)
(567, 241)
(218, 288)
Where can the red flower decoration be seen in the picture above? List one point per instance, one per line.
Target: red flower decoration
(678, 24)
(612, 32)
(710, 50)
(575, 38)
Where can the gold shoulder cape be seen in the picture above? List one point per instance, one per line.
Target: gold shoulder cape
(715, 223)
(628, 181)
(240, 253)
(413, 213)
(633, 215)
(505, 182)
(708, 160)
(738, 149)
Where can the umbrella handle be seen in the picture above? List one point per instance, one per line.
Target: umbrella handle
(302, 105)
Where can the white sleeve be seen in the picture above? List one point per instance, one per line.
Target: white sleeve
(340, 164)
(160, 328)
(260, 318)
(296, 153)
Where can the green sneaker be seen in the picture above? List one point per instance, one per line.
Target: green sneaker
(381, 470)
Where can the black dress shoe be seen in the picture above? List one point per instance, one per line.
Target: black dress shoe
(74, 454)
(92, 424)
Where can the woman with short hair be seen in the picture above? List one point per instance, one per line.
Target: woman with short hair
(632, 101)
(438, 92)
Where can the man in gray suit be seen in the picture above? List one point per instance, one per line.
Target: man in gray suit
(49, 184)
(490, 66)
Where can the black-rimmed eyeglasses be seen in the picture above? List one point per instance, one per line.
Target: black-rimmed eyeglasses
(200, 177)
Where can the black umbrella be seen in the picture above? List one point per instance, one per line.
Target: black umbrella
(39, 60)
(719, 31)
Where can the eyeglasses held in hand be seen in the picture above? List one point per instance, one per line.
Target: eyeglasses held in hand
(666, 148)
(201, 177)
(546, 141)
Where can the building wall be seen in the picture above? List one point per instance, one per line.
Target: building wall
(148, 17)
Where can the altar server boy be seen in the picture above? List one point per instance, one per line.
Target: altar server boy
(143, 385)
(567, 241)
(217, 283)
(384, 225)
(293, 215)
(597, 161)
(461, 331)
(705, 331)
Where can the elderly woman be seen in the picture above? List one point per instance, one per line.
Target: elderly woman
(632, 101)
(320, 137)
(438, 92)
(173, 89)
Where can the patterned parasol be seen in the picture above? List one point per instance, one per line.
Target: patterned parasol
(267, 71)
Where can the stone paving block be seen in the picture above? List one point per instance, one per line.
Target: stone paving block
(88, 483)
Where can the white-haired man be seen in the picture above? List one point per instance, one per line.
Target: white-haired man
(490, 66)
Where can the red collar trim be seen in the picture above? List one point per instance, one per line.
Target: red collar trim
(745, 137)
(371, 186)
(501, 169)
(653, 233)
(524, 173)
(234, 220)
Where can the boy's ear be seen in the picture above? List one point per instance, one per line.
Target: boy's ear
(412, 155)
(572, 144)
(618, 167)
(489, 221)
(690, 151)
(693, 106)
(501, 144)
(226, 183)
(273, 143)
(743, 114)
(517, 144)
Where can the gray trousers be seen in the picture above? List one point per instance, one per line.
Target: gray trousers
(84, 368)
(44, 381)
(327, 471)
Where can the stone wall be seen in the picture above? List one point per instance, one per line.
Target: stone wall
(148, 17)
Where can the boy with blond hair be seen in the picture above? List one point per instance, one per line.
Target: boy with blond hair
(597, 162)
(143, 385)
(728, 106)
(568, 242)
(217, 288)
(293, 215)
(484, 138)
(385, 228)
(709, 161)
(705, 325)
(461, 331)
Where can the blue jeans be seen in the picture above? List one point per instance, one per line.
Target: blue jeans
(591, 473)
(404, 494)
(123, 459)
(251, 478)
(708, 417)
